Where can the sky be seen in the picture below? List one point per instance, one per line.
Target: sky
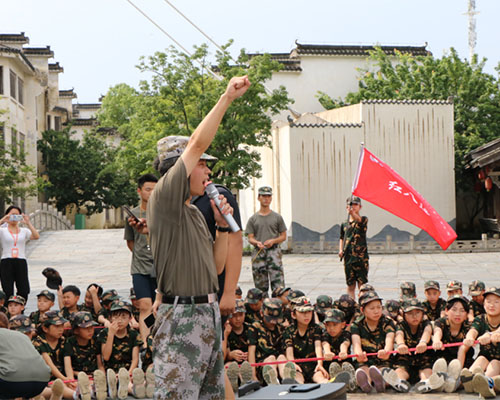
(99, 42)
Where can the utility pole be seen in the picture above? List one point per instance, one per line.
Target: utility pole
(471, 13)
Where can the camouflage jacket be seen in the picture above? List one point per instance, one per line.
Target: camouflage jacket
(252, 316)
(412, 339)
(66, 314)
(91, 311)
(56, 354)
(83, 358)
(121, 354)
(482, 325)
(434, 313)
(35, 319)
(354, 236)
(335, 342)
(303, 346)
(239, 342)
(477, 308)
(444, 325)
(267, 343)
(372, 341)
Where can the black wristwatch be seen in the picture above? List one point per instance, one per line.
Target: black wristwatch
(223, 229)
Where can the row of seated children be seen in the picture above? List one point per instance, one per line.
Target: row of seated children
(288, 327)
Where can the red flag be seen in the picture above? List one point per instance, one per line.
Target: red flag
(379, 184)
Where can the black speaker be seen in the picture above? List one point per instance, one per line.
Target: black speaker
(310, 391)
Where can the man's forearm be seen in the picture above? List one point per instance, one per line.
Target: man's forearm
(233, 261)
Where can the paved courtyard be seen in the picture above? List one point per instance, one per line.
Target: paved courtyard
(101, 256)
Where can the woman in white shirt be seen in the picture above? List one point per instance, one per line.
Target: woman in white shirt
(13, 265)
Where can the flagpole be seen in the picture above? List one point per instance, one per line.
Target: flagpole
(360, 162)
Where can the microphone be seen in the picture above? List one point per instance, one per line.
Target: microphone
(213, 193)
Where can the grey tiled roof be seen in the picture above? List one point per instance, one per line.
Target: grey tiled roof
(56, 67)
(405, 101)
(14, 37)
(326, 124)
(38, 51)
(67, 93)
(355, 50)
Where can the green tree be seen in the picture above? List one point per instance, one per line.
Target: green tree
(17, 178)
(84, 173)
(178, 96)
(475, 94)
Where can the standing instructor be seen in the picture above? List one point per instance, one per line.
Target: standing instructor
(188, 361)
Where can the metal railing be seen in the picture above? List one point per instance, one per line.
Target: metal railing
(48, 218)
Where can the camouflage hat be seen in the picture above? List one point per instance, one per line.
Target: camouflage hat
(303, 304)
(240, 306)
(53, 318)
(295, 294)
(366, 287)
(454, 285)
(457, 297)
(3, 296)
(334, 315)
(21, 323)
(119, 305)
(174, 146)
(392, 306)
(132, 294)
(353, 200)
(323, 303)
(48, 294)
(368, 297)
(431, 285)
(17, 299)
(254, 295)
(346, 302)
(279, 291)
(413, 304)
(238, 291)
(492, 290)
(272, 310)
(82, 319)
(407, 290)
(476, 288)
(265, 191)
(109, 295)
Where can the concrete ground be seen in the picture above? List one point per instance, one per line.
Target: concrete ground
(101, 256)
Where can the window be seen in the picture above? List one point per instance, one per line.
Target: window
(13, 81)
(13, 141)
(20, 91)
(57, 123)
(1, 79)
(22, 146)
(2, 136)
(48, 122)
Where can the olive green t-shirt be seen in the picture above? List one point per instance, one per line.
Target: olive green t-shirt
(265, 227)
(142, 259)
(180, 240)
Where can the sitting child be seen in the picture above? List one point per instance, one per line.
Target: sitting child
(45, 301)
(15, 306)
(434, 305)
(476, 291)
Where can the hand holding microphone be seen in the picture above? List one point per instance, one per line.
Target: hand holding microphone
(213, 194)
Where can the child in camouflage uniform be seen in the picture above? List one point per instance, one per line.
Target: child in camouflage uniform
(413, 332)
(454, 288)
(352, 246)
(349, 307)
(392, 309)
(452, 329)
(323, 304)
(372, 333)
(253, 306)
(92, 300)
(120, 352)
(68, 301)
(107, 299)
(476, 291)
(303, 340)
(407, 291)
(293, 295)
(488, 361)
(45, 301)
(434, 306)
(23, 324)
(265, 342)
(15, 306)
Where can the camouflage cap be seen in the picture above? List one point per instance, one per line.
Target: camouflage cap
(265, 191)
(119, 305)
(48, 294)
(346, 302)
(323, 303)
(279, 291)
(109, 295)
(454, 285)
(392, 306)
(240, 306)
(238, 291)
(413, 304)
(303, 304)
(431, 285)
(3, 296)
(174, 146)
(82, 319)
(368, 297)
(353, 200)
(457, 297)
(272, 310)
(334, 315)
(132, 295)
(254, 295)
(407, 290)
(476, 288)
(53, 318)
(17, 299)
(366, 287)
(295, 294)
(21, 323)
(492, 290)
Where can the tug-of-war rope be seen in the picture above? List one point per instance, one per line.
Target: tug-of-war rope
(303, 360)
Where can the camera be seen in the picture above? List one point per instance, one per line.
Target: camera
(16, 217)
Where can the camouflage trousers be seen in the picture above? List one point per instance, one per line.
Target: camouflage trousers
(356, 270)
(267, 266)
(187, 352)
